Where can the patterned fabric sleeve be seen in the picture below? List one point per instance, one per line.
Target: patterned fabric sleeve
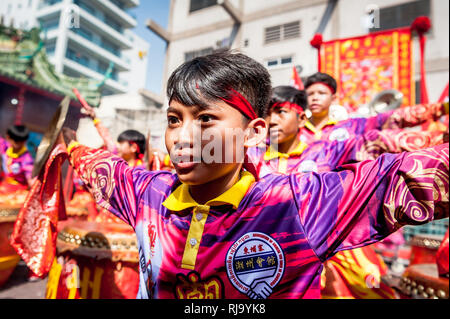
(3, 145)
(373, 143)
(409, 116)
(114, 185)
(362, 203)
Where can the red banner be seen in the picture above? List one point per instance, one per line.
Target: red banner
(366, 65)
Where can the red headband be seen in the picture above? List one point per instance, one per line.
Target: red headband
(327, 85)
(297, 108)
(241, 104)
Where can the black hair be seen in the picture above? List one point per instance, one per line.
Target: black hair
(18, 133)
(285, 93)
(321, 77)
(211, 77)
(133, 136)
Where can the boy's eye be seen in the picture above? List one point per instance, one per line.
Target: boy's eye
(205, 118)
(172, 119)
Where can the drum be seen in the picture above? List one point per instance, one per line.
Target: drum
(424, 248)
(81, 206)
(421, 281)
(8, 256)
(94, 261)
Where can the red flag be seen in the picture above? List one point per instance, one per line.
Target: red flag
(444, 94)
(296, 81)
(35, 230)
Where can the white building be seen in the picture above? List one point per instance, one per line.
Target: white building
(141, 110)
(277, 33)
(85, 38)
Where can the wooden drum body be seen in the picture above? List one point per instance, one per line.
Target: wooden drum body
(421, 281)
(8, 256)
(95, 261)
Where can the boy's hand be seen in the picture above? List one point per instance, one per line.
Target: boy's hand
(69, 135)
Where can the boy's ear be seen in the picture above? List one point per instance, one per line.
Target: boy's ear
(334, 99)
(256, 132)
(302, 120)
(133, 147)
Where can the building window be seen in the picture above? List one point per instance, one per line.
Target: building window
(402, 15)
(282, 32)
(201, 4)
(280, 61)
(194, 54)
(50, 49)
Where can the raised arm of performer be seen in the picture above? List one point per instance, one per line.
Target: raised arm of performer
(103, 132)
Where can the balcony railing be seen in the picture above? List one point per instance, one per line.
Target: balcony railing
(47, 3)
(71, 55)
(99, 16)
(88, 36)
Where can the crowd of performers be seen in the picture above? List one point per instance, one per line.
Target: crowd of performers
(297, 218)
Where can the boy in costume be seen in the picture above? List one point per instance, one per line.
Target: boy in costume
(321, 92)
(212, 231)
(17, 162)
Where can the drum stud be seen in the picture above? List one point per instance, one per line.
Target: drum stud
(420, 288)
(430, 291)
(414, 292)
(78, 241)
(441, 294)
(425, 295)
(77, 236)
(413, 284)
(408, 290)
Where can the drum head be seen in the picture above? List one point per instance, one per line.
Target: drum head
(101, 241)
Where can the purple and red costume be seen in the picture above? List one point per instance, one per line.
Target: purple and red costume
(265, 239)
(396, 119)
(16, 167)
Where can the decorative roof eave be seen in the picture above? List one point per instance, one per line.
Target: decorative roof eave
(25, 61)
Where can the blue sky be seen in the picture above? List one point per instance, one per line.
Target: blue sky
(157, 10)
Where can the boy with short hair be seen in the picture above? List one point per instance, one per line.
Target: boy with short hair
(17, 162)
(321, 91)
(212, 231)
(131, 147)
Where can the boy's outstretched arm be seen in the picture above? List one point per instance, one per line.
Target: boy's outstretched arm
(372, 144)
(362, 203)
(410, 116)
(114, 185)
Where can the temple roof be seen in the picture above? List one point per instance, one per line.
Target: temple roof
(24, 59)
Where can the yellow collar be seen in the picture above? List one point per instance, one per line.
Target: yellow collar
(269, 155)
(10, 153)
(313, 129)
(181, 199)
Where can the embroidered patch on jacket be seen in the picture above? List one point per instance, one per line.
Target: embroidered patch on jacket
(255, 265)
